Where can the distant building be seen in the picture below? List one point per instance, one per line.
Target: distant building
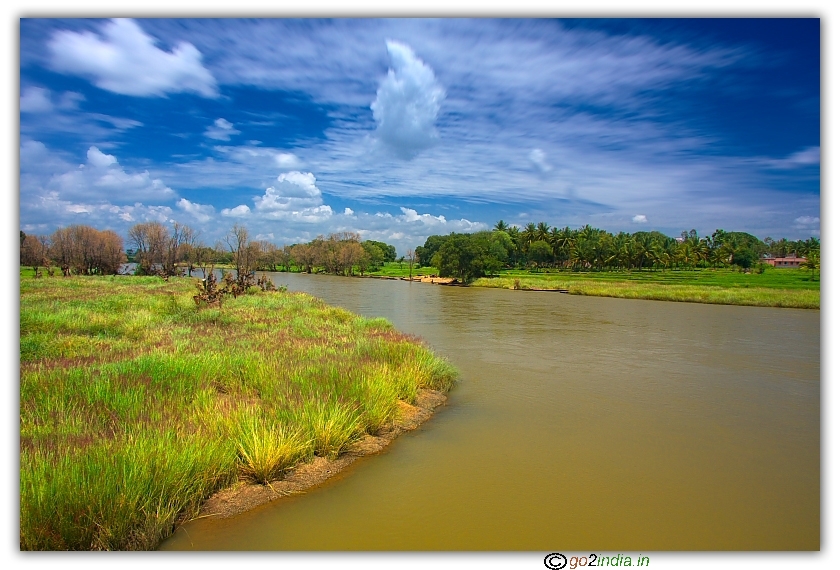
(789, 261)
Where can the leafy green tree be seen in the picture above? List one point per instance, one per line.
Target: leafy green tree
(375, 257)
(744, 257)
(469, 256)
(503, 238)
(389, 252)
(429, 249)
(540, 253)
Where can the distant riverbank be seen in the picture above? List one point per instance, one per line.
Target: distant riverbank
(773, 287)
(787, 288)
(749, 290)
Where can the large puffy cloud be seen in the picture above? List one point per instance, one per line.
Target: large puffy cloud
(125, 60)
(99, 192)
(294, 197)
(102, 178)
(407, 103)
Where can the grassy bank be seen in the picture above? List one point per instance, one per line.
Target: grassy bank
(773, 288)
(135, 406)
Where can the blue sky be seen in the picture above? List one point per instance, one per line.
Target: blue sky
(398, 129)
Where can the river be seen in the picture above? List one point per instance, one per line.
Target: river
(578, 423)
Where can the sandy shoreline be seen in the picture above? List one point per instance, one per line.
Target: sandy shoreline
(244, 496)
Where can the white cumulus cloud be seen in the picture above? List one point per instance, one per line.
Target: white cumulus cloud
(295, 196)
(125, 60)
(103, 178)
(238, 212)
(407, 103)
(410, 215)
(201, 212)
(640, 219)
(221, 130)
(98, 159)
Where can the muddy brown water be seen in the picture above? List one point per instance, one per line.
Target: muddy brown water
(579, 423)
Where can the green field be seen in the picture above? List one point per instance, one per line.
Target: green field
(136, 405)
(394, 269)
(772, 288)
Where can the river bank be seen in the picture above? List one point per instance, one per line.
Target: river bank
(244, 495)
(136, 406)
(746, 294)
(782, 288)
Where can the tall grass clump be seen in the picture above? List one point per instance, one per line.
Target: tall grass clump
(123, 495)
(136, 405)
(332, 426)
(267, 450)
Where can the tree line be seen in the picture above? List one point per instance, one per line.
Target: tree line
(163, 250)
(468, 256)
(166, 250)
(82, 250)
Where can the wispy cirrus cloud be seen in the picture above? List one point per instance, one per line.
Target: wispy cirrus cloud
(47, 112)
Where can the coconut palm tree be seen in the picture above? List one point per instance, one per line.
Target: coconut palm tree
(554, 239)
(501, 226)
(530, 233)
(542, 232)
(812, 262)
(516, 237)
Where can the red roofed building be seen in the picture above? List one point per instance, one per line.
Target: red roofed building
(789, 261)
